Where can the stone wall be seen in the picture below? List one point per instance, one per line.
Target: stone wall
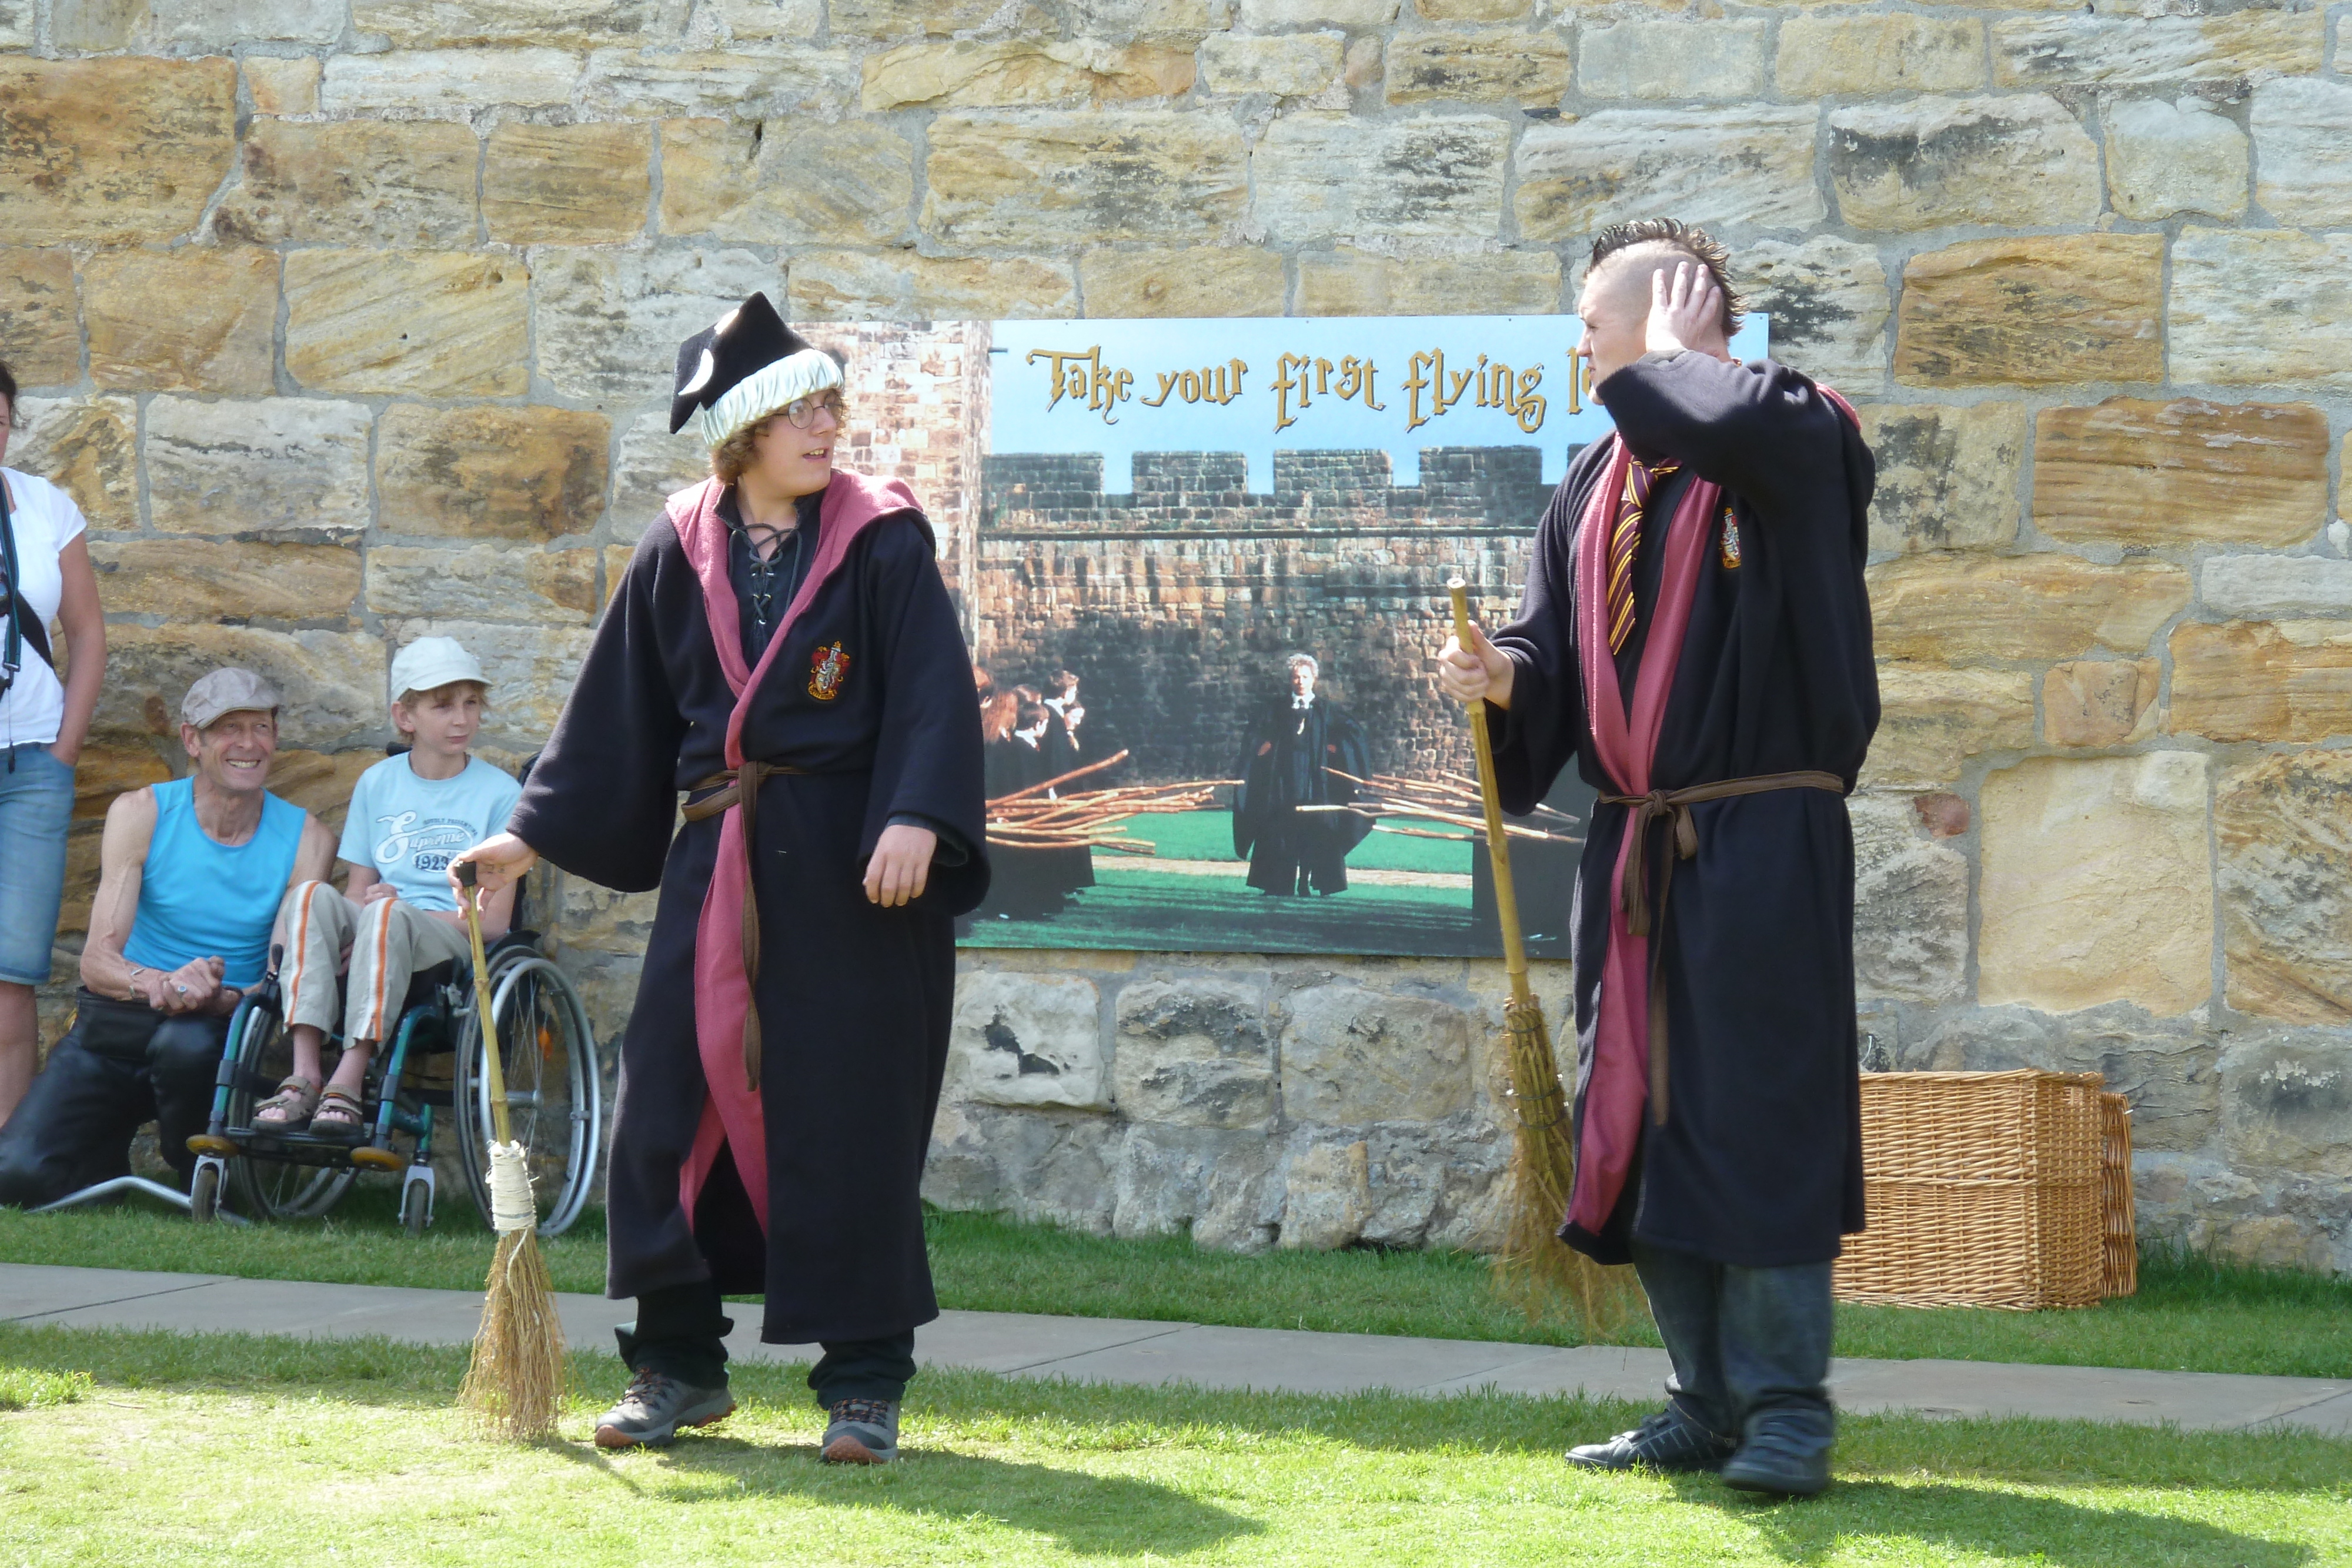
(346, 318)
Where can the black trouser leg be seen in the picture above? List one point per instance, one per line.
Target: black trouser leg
(182, 1066)
(680, 1332)
(863, 1369)
(74, 1126)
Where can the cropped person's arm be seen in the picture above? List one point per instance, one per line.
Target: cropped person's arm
(123, 859)
(314, 859)
(84, 622)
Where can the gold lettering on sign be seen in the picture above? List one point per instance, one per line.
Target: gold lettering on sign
(1490, 383)
(1080, 373)
(1219, 384)
(1292, 380)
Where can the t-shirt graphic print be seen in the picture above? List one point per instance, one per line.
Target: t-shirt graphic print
(407, 830)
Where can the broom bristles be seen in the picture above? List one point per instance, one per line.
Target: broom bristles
(518, 1373)
(1535, 1271)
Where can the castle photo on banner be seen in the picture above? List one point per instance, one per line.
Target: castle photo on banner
(1203, 564)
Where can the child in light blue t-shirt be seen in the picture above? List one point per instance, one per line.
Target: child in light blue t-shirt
(396, 914)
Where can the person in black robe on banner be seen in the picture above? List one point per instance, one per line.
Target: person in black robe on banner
(1288, 758)
(782, 650)
(1695, 638)
(1030, 882)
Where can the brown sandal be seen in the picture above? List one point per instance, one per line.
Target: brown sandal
(340, 1105)
(297, 1100)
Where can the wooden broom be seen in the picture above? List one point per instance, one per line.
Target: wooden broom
(1543, 1275)
(518, 1371)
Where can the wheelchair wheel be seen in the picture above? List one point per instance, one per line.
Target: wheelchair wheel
(204, 1194)
(555, 1099)
(274, 1190)
(415, 1208)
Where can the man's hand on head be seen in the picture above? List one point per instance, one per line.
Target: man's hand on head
(1682, 310)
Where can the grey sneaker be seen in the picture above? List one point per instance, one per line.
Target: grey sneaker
(1668, 1440)
(656, 1406)
(862, 1432)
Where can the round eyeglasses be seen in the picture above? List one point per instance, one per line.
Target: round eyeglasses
(802, 411)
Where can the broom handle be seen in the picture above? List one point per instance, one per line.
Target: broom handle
(1498, 843)
(490, 1065)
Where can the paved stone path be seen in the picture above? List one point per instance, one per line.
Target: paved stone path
(1118, 1350)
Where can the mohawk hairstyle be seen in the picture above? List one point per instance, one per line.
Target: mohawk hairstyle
(1686, 239)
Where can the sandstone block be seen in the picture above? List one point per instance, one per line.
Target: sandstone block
(418, 324)
(2282, 827)
(770, 20)
(361, 182)
(1943, 814)
(2169, 1073)
(196, 580)
(2094, 702)
(1028, 1040)
(87, 447)
(1879, 56)
(1747, 165)
(1828, 303)
(1534, 68)
(653, 465)
(113, 150)
(1184, 20)
(2301, 128)
(1325, 175)
(530, 671)
(486, 472)
(320, 783)
(1671, 59)
(222, 24)
(1910, 907)
(1214, 280)
(566, 185)
(2274, 587)
(1266, 16)
(1193, 1053)
(1037, 180)
(1041, 1167)
(2097, 884)
(463, 24)
(2288, 680)
(1220, 1184)
(485, 582)
(600, 919)
(1939, 161)
(1946, 476)
(1288, 65)
(263, 465)
(608, 323)
(2267, 307)
(95, 25)
(1013, 73)
(2033, 311)
(2038, 51)
(1351, 282)
(16, 25)
(194, 320)
(1351, 1056)
(1327, 1194)
(840, 184)
(900, 285)
(2164, 158)
(2179, 473)
(1932, 721)
(737, 85)
(912, 18)
(1964, 609)
(284, 86)
(38, 316)
(449, 83)
(332, 681)
(2286, 1104)
(1473, 10)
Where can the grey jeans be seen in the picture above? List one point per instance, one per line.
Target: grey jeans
(1751, 1346)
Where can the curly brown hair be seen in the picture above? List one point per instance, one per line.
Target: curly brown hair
(1673, 236)
(731, 456)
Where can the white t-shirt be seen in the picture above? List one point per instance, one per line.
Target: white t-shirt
(46, 521)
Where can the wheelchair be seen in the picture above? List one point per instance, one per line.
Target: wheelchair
(428, 1077)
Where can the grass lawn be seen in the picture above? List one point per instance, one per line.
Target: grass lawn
(129, 1449)
(2189, 1314)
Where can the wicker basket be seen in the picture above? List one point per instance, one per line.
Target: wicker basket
(2120, 1274)
(1984, 1189)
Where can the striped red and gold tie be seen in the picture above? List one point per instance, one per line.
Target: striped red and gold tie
(1625, 543)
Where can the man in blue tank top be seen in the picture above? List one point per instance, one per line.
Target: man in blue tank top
(190, 877)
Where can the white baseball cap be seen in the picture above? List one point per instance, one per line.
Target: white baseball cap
(431, 663)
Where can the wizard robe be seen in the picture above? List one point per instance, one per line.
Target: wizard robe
(1287, 759)
(1759, 1159)
(806, 1190)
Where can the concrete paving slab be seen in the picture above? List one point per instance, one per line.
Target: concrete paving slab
(27, 1292)
(1295, 1360)
(2330, 1418)
(1594, 1371)
(2194, 1401)
(1027, 1341)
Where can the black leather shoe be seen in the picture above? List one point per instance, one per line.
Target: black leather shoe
(1779, 1462)
(1668, 1440)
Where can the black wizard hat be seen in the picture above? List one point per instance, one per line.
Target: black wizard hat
(742, 368)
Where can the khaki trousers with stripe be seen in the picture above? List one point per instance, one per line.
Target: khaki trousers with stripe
(389, 940)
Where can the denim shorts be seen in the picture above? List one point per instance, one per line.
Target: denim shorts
(37, 797)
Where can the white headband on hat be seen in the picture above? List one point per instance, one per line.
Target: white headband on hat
(762, 392)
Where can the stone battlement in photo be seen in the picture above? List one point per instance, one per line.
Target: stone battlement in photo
(1462, 490)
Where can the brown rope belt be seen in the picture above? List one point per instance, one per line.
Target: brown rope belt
(742, 787)
(1675, 805)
